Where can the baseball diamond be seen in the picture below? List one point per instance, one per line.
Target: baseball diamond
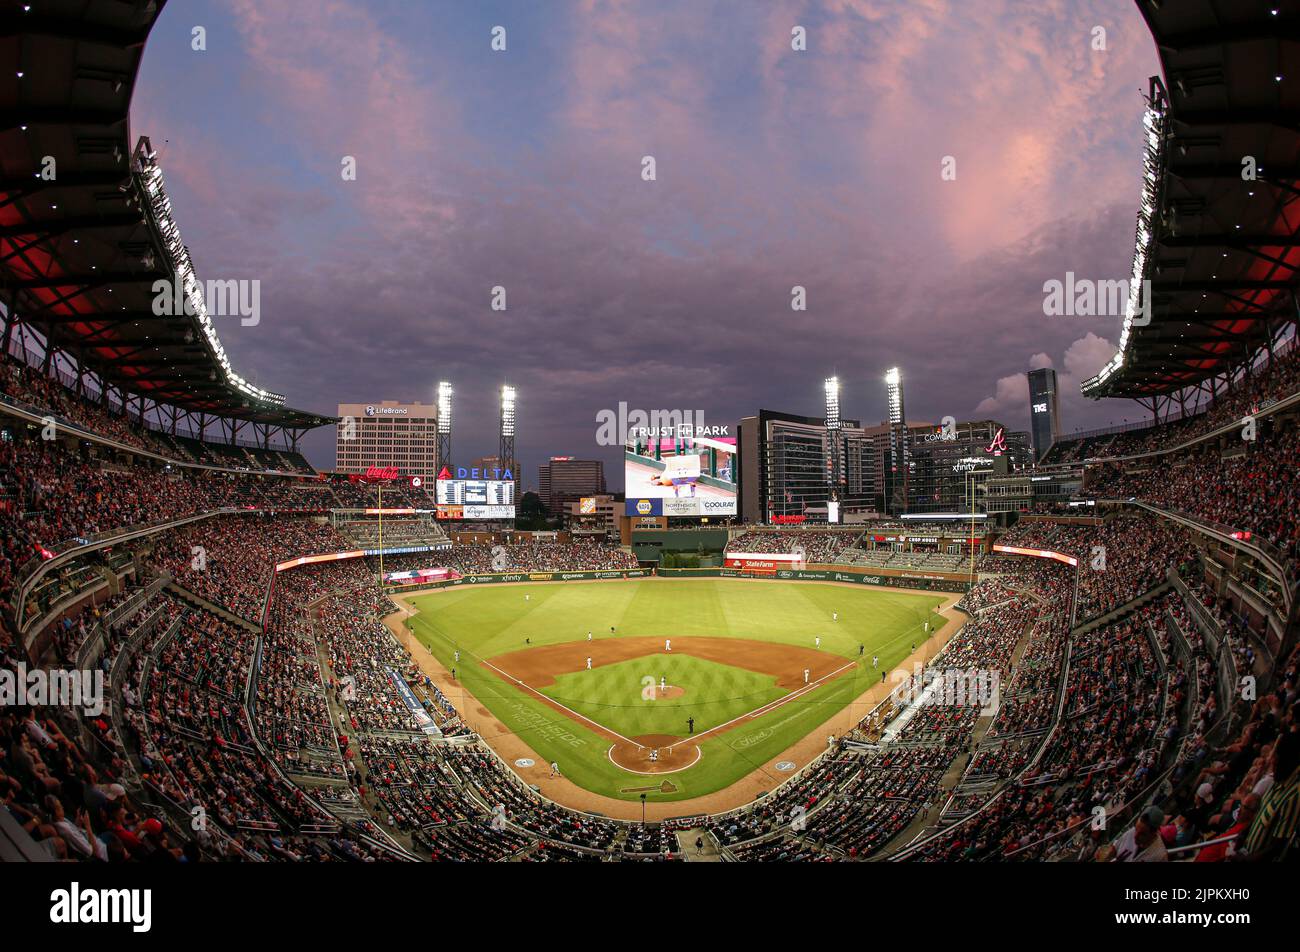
(705, 679)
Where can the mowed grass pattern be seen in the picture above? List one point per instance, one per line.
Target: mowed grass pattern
(613, 695)
(489, 620)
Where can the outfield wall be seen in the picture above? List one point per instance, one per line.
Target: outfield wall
(901, 580)
(936, 582)
(493, 578)
(649, 544)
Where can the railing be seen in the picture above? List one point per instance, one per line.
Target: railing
(1261, 549)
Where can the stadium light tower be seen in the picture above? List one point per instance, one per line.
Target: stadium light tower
(444, 423)
(833, 469)
(897, 443)
(507, 451)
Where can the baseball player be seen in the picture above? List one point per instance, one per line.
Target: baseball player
(805, 675)
(818, 641)
(588, 664)
(668, 644)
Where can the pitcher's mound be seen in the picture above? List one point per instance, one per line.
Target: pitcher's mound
(635, 757)
(668, 692)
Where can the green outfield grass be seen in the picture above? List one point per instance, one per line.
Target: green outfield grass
(612, 695)
(484, 621)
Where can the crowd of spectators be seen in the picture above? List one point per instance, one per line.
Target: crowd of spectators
(30, 388)
(1249, 396)
(817, 545)
(1257, 491)
(229, 561)
(1119, 558)
(580, 555)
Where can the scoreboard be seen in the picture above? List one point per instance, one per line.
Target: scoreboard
(475, 492)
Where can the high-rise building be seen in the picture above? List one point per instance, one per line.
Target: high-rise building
(947, 468)
(1044, 410)
(788, 465)
(403, 436)
(562, 479)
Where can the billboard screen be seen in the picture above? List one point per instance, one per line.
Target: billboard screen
(475, 492)
(475, 512)
(683, 474)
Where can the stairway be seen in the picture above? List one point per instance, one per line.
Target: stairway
(686, 843)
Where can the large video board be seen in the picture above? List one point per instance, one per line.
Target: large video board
(682, 474)
(475, 492)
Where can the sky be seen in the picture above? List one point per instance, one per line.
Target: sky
(523, 168)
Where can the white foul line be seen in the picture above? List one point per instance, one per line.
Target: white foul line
(550, 700)
(766, 708)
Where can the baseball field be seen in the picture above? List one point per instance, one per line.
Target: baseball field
(672, 688)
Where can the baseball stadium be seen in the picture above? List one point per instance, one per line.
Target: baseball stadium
(799, 638)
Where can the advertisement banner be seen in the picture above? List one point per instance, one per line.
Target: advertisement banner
(413, 705)
(644, 507)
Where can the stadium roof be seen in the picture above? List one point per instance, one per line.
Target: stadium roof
(83, 241)
(1220, 249)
